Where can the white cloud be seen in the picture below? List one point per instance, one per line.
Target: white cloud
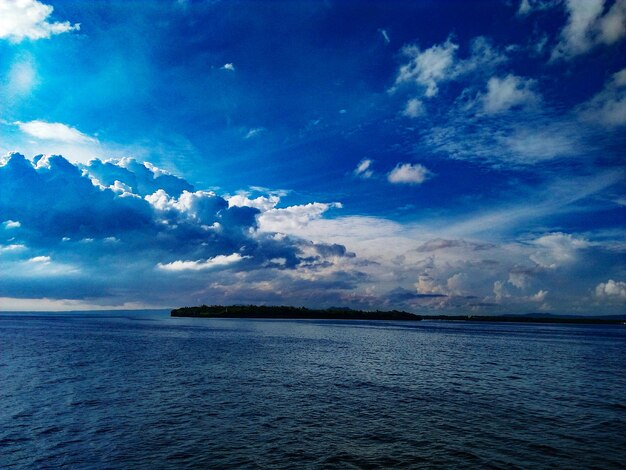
(12, 247)
(427, 285)
(587, 27)
(611, 288)
(457, 283)
(263, 203)
(302, 263)
(120, 188)
(524, 8)
(200, 265)
(539, 296)
(229, 66)
(55, 131)
(556, 249)
(200, 206)
(499, 291)
(40, 259)
(613, 24)
(520, 277)
(608, 107)
(429, 67)
(508, 92)
(483, 59)
(414, 108)
(8, 224)
(364, 169)
(534, 145)
(408, 173)
(28, 19)
(528, 6)
(385, 35)
(254, 132)
(293, 217)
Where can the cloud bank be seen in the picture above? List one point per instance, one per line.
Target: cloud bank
(126, 233)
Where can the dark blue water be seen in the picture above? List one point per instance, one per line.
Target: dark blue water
(147, 391)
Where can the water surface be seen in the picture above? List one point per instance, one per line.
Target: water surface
(119, 390)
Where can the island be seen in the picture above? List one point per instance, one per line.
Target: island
(292, 313)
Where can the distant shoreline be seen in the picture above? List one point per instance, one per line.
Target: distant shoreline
(526, 319)
(295, 313)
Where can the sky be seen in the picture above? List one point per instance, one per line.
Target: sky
(439, 157)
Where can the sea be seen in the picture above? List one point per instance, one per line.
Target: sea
(135, 390)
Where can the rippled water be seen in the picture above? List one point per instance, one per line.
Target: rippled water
(144, 390)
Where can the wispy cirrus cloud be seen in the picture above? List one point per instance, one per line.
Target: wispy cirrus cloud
(55, 131)
(20, 79)
(608, 107)
(364, 169)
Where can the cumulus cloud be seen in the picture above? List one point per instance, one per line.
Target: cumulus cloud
(113, 240)
(219, 261)
(54, 131)
(611, 289)
(556, 249)
(84, 241)
(229, 66)
(425, 284)
(201, 206)
(521, 276)
(52, 197)
(263, 203)
(588, 26)
(290, 218)
(28, 19)
(364, 169)
(142, 178)
(539, 296)
(414, 108)
(407, 173)
(9, 224)
(427, 68)
(508, 92)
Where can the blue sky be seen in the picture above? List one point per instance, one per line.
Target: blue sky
(431, 156)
